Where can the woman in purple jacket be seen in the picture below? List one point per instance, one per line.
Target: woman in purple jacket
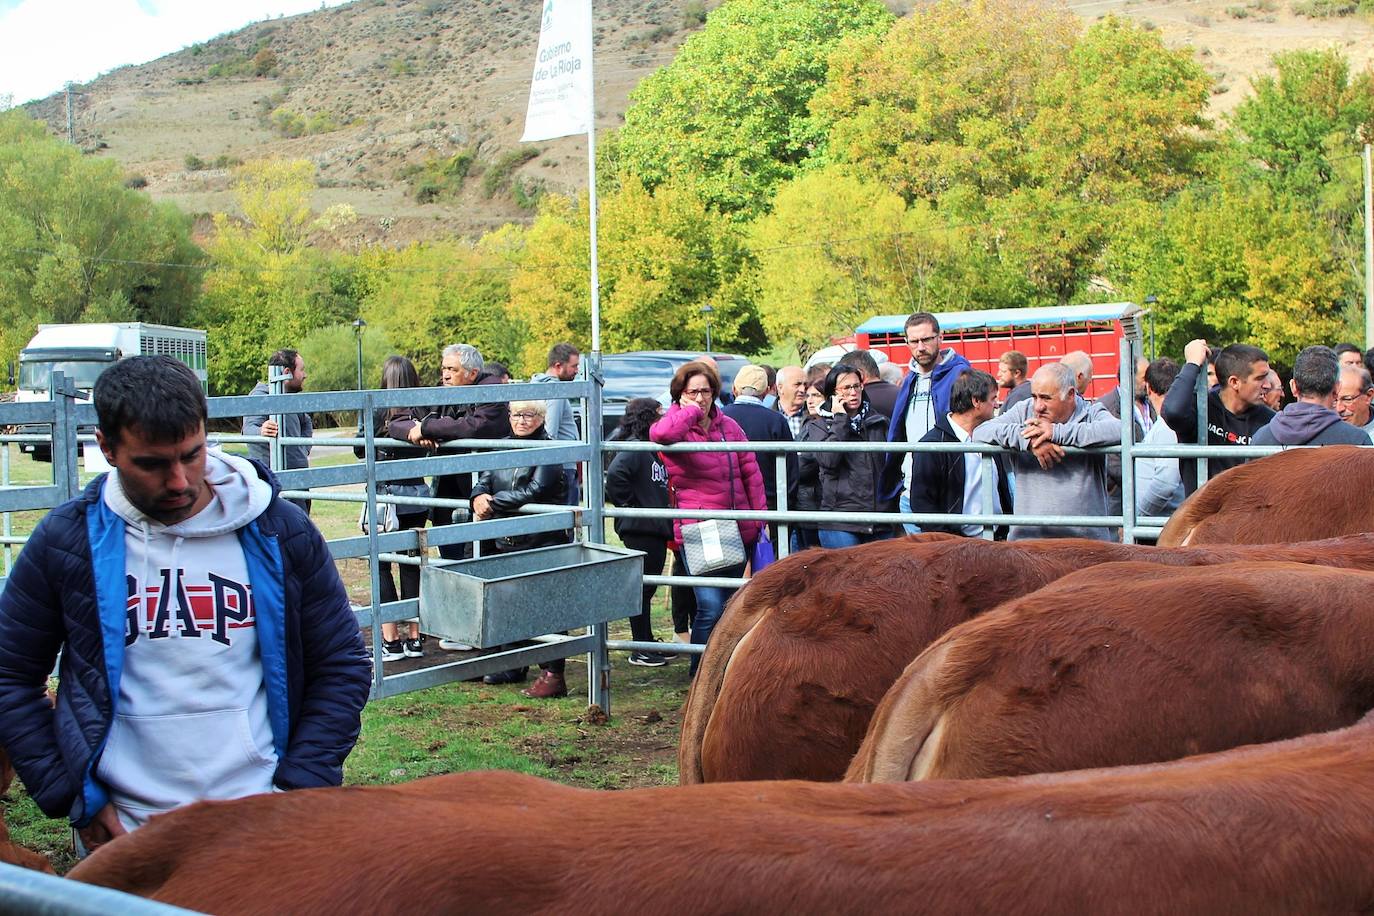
(707, 480)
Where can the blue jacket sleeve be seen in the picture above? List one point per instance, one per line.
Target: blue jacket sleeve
(336, 670)
(31, 633)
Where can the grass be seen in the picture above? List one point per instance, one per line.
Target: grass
(458, 727)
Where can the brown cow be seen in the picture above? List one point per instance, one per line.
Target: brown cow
(806, 650)
(11, 853)
(1279, 828)
(1289, 496)
(1120, 665)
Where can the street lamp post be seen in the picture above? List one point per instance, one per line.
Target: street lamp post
(359, 326)
(708, 311)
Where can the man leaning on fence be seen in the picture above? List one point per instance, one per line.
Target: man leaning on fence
(293, 425)
(1048, 480)
(208, 648)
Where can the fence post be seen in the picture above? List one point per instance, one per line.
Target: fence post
(276, 384)
(1200, 395)
(1127, 372)
(598, 660)
(989, 487)
(66, 450)
(370, 502)
(780, 482)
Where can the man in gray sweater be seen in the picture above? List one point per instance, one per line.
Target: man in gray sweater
(1048, 481)
(1312, 419)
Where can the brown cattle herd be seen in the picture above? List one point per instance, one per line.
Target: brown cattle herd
(931, 724)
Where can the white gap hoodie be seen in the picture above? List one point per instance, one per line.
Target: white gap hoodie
(191, 716)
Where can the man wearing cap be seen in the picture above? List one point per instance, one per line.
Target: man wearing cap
(763, 425)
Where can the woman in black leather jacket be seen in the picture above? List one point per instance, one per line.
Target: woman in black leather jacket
(501, 493)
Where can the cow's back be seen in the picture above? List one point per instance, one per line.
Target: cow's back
(1274, 829)
(1297, 495)
(1122, 665)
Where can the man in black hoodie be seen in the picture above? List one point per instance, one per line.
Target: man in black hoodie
(1312, 419)
(1235, 407)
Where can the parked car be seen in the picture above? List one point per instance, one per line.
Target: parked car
(647, 373)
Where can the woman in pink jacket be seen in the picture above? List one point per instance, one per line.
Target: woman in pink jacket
(707, 480)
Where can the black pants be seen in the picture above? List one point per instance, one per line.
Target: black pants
(684, 598)
(410, 574)
(655, 555)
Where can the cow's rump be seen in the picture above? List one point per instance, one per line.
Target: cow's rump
(807, 649)
(1283, 828)
(1125, 664)
(1289, 496)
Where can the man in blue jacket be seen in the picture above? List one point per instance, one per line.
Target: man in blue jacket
(208, 646)
(922, 399)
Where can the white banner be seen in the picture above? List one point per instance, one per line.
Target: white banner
(561, 91)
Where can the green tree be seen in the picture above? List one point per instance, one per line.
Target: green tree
(732, 109)
(331, 357)
(76, 245)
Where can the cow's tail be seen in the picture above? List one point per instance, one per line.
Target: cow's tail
(906, 734)
(748, 606)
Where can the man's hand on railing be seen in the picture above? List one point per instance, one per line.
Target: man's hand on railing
(1047, 453)
(269, 428)
(1036, 431)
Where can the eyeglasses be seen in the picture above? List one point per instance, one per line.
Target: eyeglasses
(922, 341)
(849, 389)
(1351, 398)
(526, 417)
(697, 392)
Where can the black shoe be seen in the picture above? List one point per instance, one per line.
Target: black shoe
(414, 648)
(393, 650)
(513, 676)
(650, 659)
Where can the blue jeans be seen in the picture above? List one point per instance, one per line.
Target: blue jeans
(904, 505)
(802, 538)
(710, 603)
(832, 539)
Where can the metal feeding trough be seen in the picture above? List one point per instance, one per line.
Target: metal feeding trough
(515, 596)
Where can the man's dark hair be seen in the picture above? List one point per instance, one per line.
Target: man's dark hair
(561, 353)
(1016, 360)
(916, 318)
(1236, 360)
(285, 358)
(1160, 374)
(863, 361)
(159, 395)
(1347, 348)
(770, 373)
(971, 385)
(1316, 371)
(1369, 360)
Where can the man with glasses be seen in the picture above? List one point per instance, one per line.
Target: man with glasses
(1271, 392)
(1311, 419)
(1352, 398)
(922, 399)
(562, 366)
(462, 365)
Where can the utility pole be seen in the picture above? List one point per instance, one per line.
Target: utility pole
(71, 121)
(1368, 247)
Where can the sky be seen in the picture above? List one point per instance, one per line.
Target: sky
(46, 43)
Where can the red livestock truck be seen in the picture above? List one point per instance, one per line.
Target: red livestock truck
(1043, 334)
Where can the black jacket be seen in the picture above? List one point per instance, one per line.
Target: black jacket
(638, 480)
(814, 429)
(849, 480)
(761, 424)
(459, 421)
(882, 396)
(512, 488)
(937, 482)
(1223, 427)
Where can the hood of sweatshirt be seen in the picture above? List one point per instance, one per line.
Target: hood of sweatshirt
(237, 496)
(1301, 422)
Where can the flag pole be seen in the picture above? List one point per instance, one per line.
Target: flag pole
(591, 182)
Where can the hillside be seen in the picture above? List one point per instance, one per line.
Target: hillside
(370, 88)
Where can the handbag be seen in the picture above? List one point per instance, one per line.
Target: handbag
(387, 513)
(762, 556)
(715, 543)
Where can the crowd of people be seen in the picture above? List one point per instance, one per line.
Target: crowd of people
(938, 397)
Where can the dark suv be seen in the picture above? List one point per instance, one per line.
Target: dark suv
(646, 374)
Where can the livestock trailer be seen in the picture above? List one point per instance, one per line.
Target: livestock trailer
(1044, 334)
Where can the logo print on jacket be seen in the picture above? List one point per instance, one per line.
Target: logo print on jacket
(174, 608)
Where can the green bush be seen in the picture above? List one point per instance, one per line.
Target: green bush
(499, 173)
(331, 357)
(194, 163)
(437, 178)
(1324, 9)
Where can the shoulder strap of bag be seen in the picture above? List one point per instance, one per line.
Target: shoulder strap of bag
(729, 469)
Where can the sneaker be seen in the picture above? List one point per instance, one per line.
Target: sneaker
(449, 645)
(547, 687)
(414, 648)
(393, 650)
(650, 659)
